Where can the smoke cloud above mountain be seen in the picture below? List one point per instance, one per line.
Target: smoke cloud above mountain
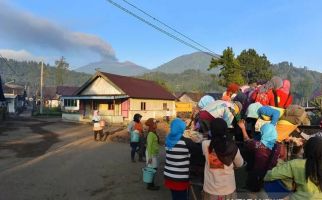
(29, 30)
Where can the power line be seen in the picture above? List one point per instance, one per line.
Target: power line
(154, 18)
(10, 67)
(158, 28)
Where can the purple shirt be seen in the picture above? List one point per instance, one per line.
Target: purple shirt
(262, 155)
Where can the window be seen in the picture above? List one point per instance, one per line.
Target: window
(142, 105)
(70, 102)
(165, 107)
(110, 106)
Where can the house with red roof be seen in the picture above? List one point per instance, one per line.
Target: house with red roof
(117, 98)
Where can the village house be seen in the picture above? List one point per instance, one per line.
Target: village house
(117, 98)
(187, 101)
(15, 97)
(52, 95)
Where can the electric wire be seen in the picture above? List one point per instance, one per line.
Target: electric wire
(159, 29)
(164, 24)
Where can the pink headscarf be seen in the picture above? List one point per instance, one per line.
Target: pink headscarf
(286, 86)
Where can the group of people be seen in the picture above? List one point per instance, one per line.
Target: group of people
(247, 127)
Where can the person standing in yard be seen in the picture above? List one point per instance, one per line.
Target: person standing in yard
(97, 128)
(135, 129)
(152, 149)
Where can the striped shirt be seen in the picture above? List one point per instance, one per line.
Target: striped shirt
(177, 160)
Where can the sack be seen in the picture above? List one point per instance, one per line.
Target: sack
(135, 137)
(296, 115)
(102, 123)
(277, 189)
(284, 129)
(97, 127)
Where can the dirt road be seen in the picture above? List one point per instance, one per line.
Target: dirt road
(50, 159)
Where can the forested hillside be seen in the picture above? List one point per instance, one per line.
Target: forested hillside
(189, 80)
(27, 73)
(304, 81)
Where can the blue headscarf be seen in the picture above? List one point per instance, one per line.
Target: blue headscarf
(205, 100)
(177, 128)
(268, 135)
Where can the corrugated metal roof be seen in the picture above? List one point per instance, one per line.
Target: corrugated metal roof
(139, 88)
(49, 92)
(66, 90)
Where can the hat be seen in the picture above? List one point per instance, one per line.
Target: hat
(232, 87)
(252, 110)
(151, 122)
(277, 82)
(205, 100)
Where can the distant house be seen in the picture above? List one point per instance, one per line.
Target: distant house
(52, 95)
(12, 102)
(117, 98)
(186, 102)
(15, 97)
(190, 97)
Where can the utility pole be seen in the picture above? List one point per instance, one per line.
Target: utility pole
(41, 86)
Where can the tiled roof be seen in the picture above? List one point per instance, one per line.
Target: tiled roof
(139, 88)
(66, 90)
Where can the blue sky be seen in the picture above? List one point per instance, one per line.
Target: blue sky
(85, 31)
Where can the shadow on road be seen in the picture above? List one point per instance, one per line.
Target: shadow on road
(24, 149)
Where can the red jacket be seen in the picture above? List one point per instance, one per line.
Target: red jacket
(283, 99)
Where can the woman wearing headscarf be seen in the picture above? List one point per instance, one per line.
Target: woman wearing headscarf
(97, 128)
(306, 172)
(202, 118)
(282, 96)
(152, 149)
(231, 92)
(222, 155)
(264, 154)
(177, 160)
(135, 130)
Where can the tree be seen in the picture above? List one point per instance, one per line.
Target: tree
(231, 71)
(254, 66)
(61, 71)
(304, 89)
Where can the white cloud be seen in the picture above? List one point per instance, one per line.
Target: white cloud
(20, 55)
(29, 30)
